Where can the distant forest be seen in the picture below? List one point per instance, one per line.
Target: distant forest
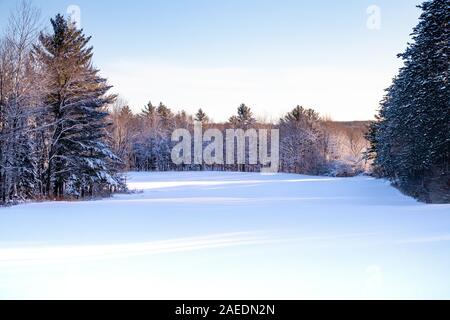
(309, 144)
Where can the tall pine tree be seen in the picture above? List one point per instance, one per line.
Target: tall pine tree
(411, 139)
(79, 161)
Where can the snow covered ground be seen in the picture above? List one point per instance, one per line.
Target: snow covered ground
(229, 235)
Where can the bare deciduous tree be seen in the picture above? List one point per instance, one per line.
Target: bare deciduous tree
(19, 99)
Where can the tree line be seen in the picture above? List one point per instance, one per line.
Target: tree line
(309, 144)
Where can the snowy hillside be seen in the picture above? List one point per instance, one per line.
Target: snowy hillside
(229, 235)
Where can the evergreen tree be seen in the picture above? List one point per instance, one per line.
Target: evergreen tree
(200, 116)
(166, 117)
(79, 162)
(245, 117)
(411, 139)
(149, 111)
(164, 112)
(302, 116)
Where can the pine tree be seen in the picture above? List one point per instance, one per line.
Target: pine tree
(164, 112)
(245, 117)
(200, 116)
(411, 140)
(166, 117)
(149, 111)
(79, 162)
(302, 116)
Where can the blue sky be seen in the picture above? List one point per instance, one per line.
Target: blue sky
(272, 55)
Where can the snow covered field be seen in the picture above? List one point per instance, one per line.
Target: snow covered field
(229, 235)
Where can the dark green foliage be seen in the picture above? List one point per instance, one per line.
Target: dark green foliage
(411, 139)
